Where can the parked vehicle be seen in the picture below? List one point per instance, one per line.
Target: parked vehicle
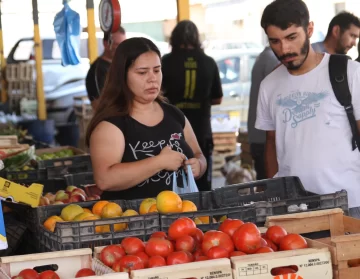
(62, 84)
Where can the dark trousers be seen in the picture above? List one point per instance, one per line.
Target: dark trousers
(204, 183)
(258, 155)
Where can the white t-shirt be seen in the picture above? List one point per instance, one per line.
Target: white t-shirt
(313, 135)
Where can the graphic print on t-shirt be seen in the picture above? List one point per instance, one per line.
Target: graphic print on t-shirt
(142, 150)
(300, 106)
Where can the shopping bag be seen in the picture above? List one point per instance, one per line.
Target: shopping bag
(189, 184)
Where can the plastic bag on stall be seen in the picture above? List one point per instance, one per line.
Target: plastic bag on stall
(189, 184)
(67, 29)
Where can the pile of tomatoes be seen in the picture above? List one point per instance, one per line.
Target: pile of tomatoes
(49, 274)
(186, 243)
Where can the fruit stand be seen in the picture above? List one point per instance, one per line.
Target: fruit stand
(237, 231)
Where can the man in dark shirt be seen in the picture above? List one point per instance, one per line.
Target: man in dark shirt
(96, 75)
(191, 82)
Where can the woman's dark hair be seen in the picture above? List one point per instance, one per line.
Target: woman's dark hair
(284, 13)
(116, 97)
(185, 34)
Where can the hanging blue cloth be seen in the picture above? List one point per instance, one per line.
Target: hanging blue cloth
(67, 29)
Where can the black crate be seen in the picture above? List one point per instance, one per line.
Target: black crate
(61, 171)
(274, 189)
(50, 185)
(15, 231)
(75, 235)
(26, 175)
(66, 161)
(79, 179)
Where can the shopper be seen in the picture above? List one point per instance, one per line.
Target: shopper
(191, 82)
(136, 139)
(307, 131)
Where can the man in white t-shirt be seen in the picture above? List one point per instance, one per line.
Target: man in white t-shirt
(307, 131)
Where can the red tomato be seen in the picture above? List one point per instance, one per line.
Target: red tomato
(264, 243)
(110, 254)
(180, 227)
(247, 238)
(237, 253)
(201, 258)
(198, 236)
(156, 261)
(144, 257)
(84, 273)
(178, 257)
(158, 247)
(159, 235)
(264, 250)
(223, 224)
(128, 263)
(198, 253)
(293, 242)
(49, 274)
(185, 243)
(282, 271)
(217, 238)
(191, 256)
(29, 274)
(275, 234)
(231, 226)
(217, 252)
(271, 244)
(132, 245)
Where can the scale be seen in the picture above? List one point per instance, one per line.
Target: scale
(109, 15)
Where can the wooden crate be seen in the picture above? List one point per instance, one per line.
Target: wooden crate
(344, 243)
(68, 263)
(9, 141)
(220, 268)
(224, 142)
(311, 263)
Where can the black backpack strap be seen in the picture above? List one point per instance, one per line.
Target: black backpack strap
(339, 82)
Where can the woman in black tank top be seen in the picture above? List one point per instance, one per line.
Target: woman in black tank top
(137, 141)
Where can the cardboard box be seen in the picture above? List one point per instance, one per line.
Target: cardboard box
(20, 194)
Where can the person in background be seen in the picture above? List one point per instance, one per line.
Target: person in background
(358, 47)
(191, 82)
(264, 65)
(307, 131)
(95, 78)
(138, 142)
(343, 31)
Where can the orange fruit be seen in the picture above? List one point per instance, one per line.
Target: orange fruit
(123, 226)
(87, 210)
(98, 229)
(145, 205)
(206, 219)
(50, 222)
(82, 216)
(111, 210)
(223, 218)
(168, 202)
(197, 221)
(188, 206)
(153, 208)
(98, 207)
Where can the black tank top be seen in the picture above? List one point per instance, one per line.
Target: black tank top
(142, 142)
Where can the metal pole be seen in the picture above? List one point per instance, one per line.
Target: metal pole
(38, 61)
(92, 41)
(3, 64)
(183, 9)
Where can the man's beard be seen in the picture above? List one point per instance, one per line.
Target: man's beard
(304, 51)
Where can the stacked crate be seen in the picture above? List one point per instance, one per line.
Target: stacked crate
(224, 145)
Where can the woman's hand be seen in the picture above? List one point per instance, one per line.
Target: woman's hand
(195, 166)
(171, 160)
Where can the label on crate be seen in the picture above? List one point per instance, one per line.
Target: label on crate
(211, 275)
(306, 265)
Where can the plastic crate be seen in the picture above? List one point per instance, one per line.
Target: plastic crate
(274, 189)
(15, 231)
(66, 161)
(50, 185)
(26, 175)
(61, 171)
(79, 179)
(75, 235)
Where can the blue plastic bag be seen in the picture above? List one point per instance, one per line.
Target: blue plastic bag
(189, 184)
(67, 29)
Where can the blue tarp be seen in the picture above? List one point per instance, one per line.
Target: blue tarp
(67, 29)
